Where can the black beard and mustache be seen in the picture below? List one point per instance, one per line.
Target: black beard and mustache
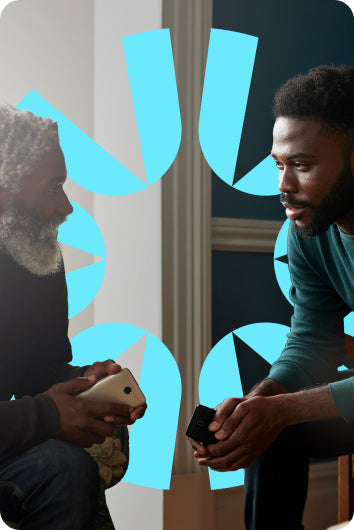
(335, 205)
(31, 240)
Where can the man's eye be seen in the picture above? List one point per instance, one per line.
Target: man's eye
(301, 165)
(53, 191)
(278, 164)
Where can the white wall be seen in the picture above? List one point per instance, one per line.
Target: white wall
(47, 46)
(52, 46)
(131, 225)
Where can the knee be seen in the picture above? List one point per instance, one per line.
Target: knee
(70, 467)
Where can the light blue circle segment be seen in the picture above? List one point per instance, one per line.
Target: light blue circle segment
(152, 438)
(227, 81)
(261, 180)
(81, 232)
(88, 164)
(284, 281)
(154, 90)
(220, 377)
(281, 269)
(349, 324)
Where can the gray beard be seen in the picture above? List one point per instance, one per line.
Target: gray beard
(31, 241)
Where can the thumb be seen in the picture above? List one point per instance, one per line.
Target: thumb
(78, 384)
(223, 411)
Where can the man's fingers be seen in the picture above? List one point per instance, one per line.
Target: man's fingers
(223, 411)
(118, 420)
(111, 367)
(138, 413)
(229, 462)
(100, 428)
(232, 422)
(101, 409)
(102, 369)
(200, 450)
(134, 414)
(76, 385)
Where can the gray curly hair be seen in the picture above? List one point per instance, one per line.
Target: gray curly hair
(24, 137)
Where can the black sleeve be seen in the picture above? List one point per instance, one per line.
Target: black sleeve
(28, 421)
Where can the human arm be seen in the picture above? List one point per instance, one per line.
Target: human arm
(83, 422)
(314, 350)
(57, 413)
(245, 428)
(322, 294)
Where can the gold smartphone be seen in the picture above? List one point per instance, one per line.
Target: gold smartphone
(118, 388)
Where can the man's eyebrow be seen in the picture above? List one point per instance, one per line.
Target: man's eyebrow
(296, 155)
(300, 155)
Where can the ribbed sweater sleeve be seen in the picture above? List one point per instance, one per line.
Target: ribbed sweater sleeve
(321, 296)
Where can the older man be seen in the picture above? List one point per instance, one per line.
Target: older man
(46, 479)
(294, 413)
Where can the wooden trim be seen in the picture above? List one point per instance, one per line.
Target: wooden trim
(244, 235)
(186, 214)
(189, 503)
(345, 486)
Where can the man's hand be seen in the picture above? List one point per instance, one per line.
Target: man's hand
(102, 369)
(109, 367)
(83, 421)
(245, 428)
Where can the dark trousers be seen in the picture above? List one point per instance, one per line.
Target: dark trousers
(276, 483)
(53, 485)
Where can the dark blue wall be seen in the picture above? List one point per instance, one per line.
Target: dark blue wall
(293, 37)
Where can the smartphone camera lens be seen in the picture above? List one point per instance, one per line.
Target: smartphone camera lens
(127, 390)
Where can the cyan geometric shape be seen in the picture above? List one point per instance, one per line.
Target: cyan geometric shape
(281, 268)
(154, 90)
(87, 163)
(261, 180)
(152, 438)
(83, 285)
(219, 379)
(80, 231)
(349, 324)
(152, 447)
(220, 376)
(227, 81)
(282, 274)
(266, 338)
(246, 357)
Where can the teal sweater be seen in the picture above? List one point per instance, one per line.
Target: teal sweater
(322, 275)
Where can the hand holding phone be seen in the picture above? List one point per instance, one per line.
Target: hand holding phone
(118, 388)
(198, 426)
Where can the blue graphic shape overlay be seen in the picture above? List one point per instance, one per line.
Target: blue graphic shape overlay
(261, 180)
(80, 231)
(152, 439)
(220, 377)
(281, 269)
(87, 163)
(282, 274)
(154, 90)
(227, 80)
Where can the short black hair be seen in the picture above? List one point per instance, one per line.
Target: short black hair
(325, 94)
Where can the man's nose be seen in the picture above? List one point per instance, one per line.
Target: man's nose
(288, 182)
(63, 205)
